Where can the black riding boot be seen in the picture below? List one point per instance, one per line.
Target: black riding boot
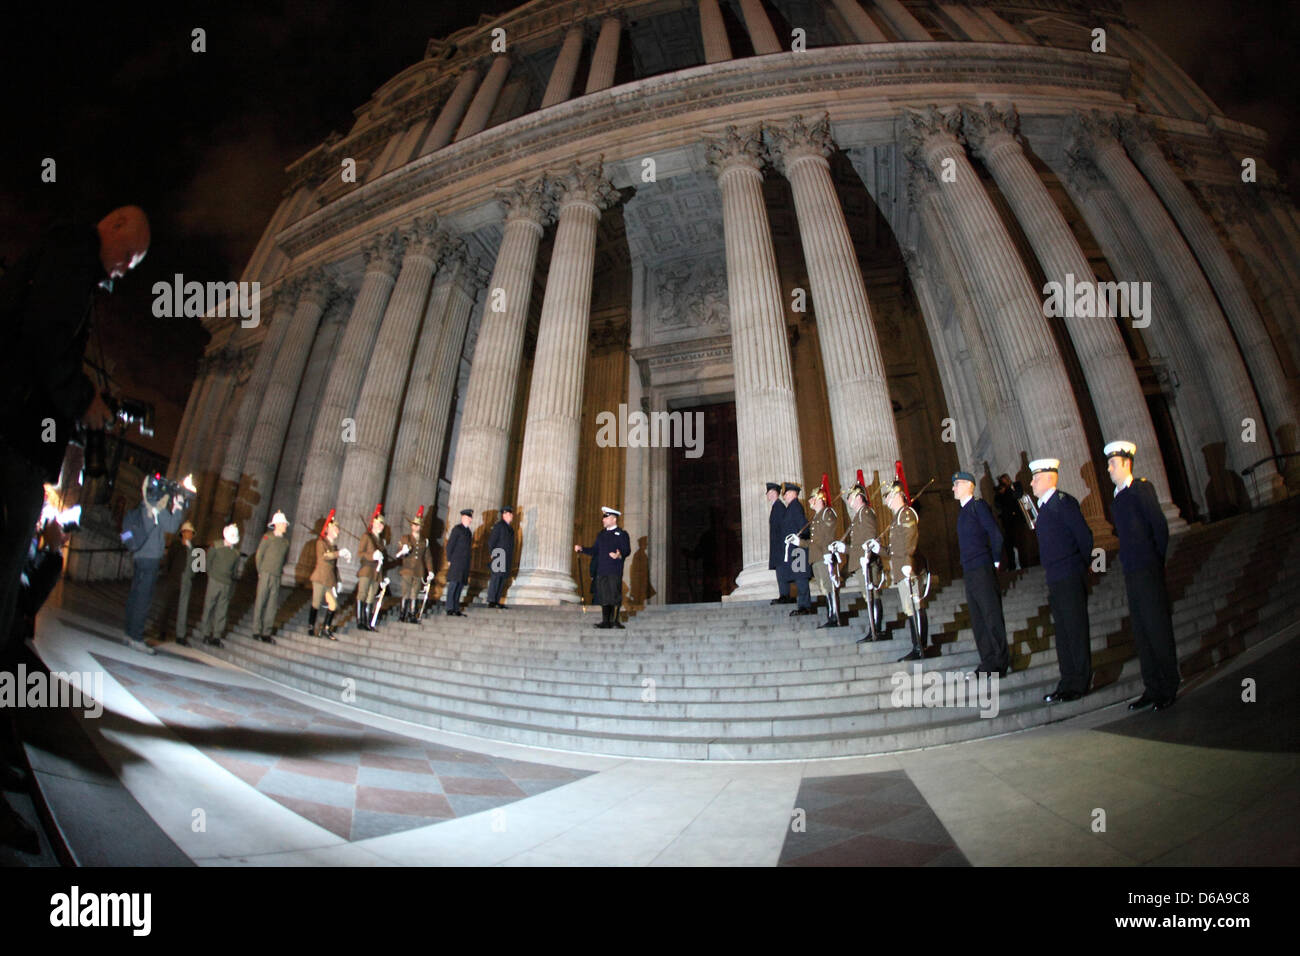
(918, 647)
(311, 622)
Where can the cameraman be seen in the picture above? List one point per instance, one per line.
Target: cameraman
(143, 531)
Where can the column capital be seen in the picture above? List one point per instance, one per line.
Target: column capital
(423, 238)
(736, 148)
(383, 253)
(797, 139)
(528, 201)
(584, 183)
(317, 286)
(920, 130)
(285, 294)
(987, 126)
(1088, 132)
(1080, 173)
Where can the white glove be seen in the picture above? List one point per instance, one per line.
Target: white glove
(874, 545)
(907, 570)
(377, 556)
(406, 549)
(384, 583)
(792, 539)
(428, 578)
(996, 565)
(838, 547)
(345, 554)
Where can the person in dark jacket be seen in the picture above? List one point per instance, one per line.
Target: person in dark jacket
(794, 557)
(220, 566)
(272, 551)
(143, 533)
(980, 542)
(776, 542)
(181, 561)
(1064, 547)
(460, 544)
(501, 552)
(612, 547)
(1143, 534)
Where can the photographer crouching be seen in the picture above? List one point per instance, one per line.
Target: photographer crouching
(144, 531)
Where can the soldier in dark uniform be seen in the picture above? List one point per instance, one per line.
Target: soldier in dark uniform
(775, 542)
(501, 552)
(980, 542)
(325, 578)
(794, 559)
(858, 556)
(825, 531)
(1064, 546)
(897, 548)
(1143, 540)
(417, 565)
(612, 547)
(221, 561)
(371, 559)
(460, 544)
(271, 553)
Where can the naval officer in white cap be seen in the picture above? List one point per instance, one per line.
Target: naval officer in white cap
(612, 547)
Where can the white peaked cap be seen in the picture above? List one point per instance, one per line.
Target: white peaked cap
(1125, 448)
(1045, 464)
(611, 511)
(277, 518)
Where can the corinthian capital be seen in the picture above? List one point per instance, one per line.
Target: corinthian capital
(918, 131)
(383, 253)
(423, 238)
(1081, 174)
(987, 124)
(528, 201)
(584, 183)
(317, 286)
(797, 140)
(1088, 132)
(736, 148)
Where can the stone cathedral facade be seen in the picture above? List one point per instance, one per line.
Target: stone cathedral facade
(823, 228)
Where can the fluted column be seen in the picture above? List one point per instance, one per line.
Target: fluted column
(232, 468)
(1010, 308)
(549, 465)
(560, 84)
(604, 58)
(478, 475)
(1247, 325)
(1095, 136)
(901, 19)
(453, 111)
(267, 442)
(320, 479)
(862, 416)
(863, 27)
(759, 27)
(1112, 381)
(197, 410)
(767, 421)
(714, 31)
(425, 414)
(480, 109)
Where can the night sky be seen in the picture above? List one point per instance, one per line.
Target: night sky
(130, 114)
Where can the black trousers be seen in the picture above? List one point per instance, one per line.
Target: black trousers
(453, 594)
(1068, 599)
(138, 599)
(495, 584)
(1153, 630)
(986, 618)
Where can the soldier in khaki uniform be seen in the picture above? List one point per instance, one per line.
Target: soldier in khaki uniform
(220, 567)
(325, 577)
(858, 557)
(825, 535)
(898, 549)
(271, 554)
(417, 565)
(371, 559)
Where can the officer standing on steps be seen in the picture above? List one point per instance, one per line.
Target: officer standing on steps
(221, 563)
(825, 533)
(862, 529)
(980, 544)
(270, 557)
(1064, 546)
(612, 547)
(1143, 541)
(794, 559)
(371, 559)
(325, 578)
(460, 544)
(775, 539)
(897, 548)
(501, 552)
(417, 564)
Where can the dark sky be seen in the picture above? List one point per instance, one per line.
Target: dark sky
(130, 114)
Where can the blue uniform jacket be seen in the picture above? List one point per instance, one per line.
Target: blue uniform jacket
(1141, 526)
(978, 534)
(610, 539)
(1064, 539)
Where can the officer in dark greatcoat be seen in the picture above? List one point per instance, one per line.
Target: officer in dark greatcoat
(1143, 540)
(980, 541)
(794, 560)
(775, 542)
(460, 544)
(501, 552)
(1064, 546)
(612, 547)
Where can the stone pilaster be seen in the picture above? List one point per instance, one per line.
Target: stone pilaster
(1112, 381)
(549, 465)
(862, 416)
(1010, 310)
(714, 32)
(766, 417)
(480, 109)
(604, 59)
(560, 84)
(1095, 135)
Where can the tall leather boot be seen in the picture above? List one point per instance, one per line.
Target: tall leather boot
(918, 648)
(311, 622)
(328, 630)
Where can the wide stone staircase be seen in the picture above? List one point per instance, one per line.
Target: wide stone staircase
(745, 681)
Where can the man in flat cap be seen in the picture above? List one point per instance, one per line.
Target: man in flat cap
(612, 547)
(1065, 546)
(460, 545)
(794, 559)
(776, 542)
(980, 542)
(272, 551)
(501, 552)
(1143, 541)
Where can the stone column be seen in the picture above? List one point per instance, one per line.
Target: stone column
(549, 464)
(453, 111)
(714, 31)
(1248, 327)
(320, 479)
(1112, 381)
(863, 27)
(199, 391)
(901, 19)
(566, 67)
(759, 27)
(267, 442)
(1095, 135)
(427, 408)
(1010, 309)
(862, 415)
(605, 57)
(480, 110)
(767, 420)
(478, 475)
(365, 460)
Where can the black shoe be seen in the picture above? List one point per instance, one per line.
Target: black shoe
(213, 642)
(801, 611)
(913, 655)
(864, 639)
(601, 626)
(619, 626)
(1146, 700)
(829, 622)
(1061, 697)
(458, 613)
(257, 637)
(268, 639)
(1165, 704)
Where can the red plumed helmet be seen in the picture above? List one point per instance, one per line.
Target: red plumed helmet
(419, 514)
(902, 480)
(329, 520)
(862, 482)
(826, 487)
(379, 510)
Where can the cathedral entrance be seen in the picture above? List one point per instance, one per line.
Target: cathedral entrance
(704, 551)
